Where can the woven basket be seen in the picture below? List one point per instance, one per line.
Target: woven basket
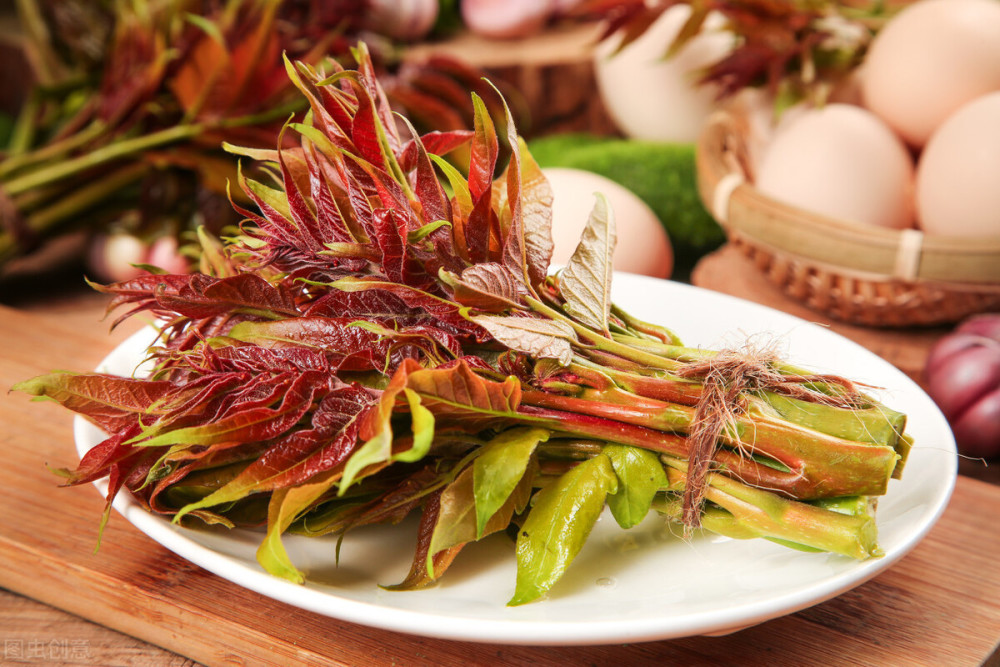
(852, 272)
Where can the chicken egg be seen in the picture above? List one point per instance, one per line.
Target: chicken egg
(929, 60)
(840, 161)
(643, 245)
(958, 176)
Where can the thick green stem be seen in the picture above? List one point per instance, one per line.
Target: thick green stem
(833, 466)
(602, 343)
(876, 423)
(98, 157)
(669, 351)
(792, 484)
(683, 355)
(745, 512)
(661, 333)
(24, 129)
(68, 208)
(46, 64)
(52, 151)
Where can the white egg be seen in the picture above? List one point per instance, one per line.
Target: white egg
(111, 257)
(657, 98)
(643, 245)
(840, 161)
(958, 176)
(931, 59)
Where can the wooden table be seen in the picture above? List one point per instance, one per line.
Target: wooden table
(940, 605)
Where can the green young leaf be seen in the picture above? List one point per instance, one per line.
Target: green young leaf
(256, 154)
(378, 448)
(422, 424)
(559, 523)
(542, 339)
(462, 203)
(419, 234)
(459, 187)
(456, 521)
(267, 196)
(586, 280)
(640, 476)
(500, 467)
(285, 507)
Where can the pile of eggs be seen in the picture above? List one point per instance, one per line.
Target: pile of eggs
(920, 144)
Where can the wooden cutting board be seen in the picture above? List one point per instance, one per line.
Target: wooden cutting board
(939, 605)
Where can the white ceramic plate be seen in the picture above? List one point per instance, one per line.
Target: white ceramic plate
(625, 586)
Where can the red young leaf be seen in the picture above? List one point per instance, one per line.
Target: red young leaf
(485, 149)
(299, 455)
(300, 208)
(456, 392)
(347, 347)
(96, 463)
(390, 237)
(489, 287)
(335, 429)
(364, 131)
(377, 95)
(330, 220)
(245, 292)
(249, 424)
(435, 143)
(110, 401)
(445, 311)
(420, 570)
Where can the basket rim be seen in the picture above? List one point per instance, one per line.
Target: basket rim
(879, 254)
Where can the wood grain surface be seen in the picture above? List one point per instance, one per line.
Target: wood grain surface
(940, 605)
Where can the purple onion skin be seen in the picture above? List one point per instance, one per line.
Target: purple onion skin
(978, 429)
(982, 325)
(963, 377)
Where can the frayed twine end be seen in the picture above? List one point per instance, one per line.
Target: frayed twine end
(726, 378)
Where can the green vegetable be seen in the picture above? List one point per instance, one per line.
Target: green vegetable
(559, 523)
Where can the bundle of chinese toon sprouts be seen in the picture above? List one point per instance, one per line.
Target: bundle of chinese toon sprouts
(383, 337)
